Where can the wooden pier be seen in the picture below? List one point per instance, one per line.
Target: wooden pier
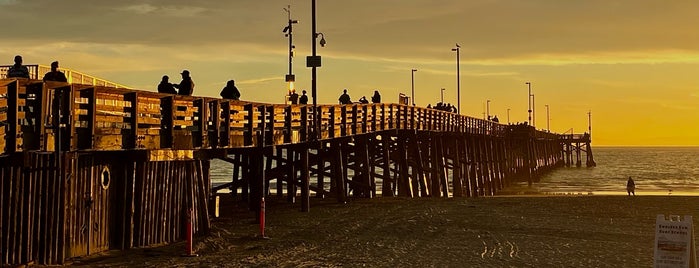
(88, 168)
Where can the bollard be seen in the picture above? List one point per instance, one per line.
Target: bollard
(189, 236)
(262, 217)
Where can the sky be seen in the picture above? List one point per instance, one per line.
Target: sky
(633, 65)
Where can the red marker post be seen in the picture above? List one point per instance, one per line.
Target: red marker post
(262, 218)
(189, 236)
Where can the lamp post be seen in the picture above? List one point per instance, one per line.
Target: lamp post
(314, 62)
(458, 79)
(442, 91)
(487, 108)
(548, 120)
(533, 111)
(412, 80)
(589, 123)
(508, 116)
(290, 77)
(529, 100)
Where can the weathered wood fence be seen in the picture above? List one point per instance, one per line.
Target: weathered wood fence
(88, 168)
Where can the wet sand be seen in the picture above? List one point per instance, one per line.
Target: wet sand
(502, 231)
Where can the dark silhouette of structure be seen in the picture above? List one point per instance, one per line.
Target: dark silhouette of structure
(165, 86)
(186, 86)
(18, 70)
(55, 74)
(230, 91)
(304, 98)
(345, 98)
(376, 98)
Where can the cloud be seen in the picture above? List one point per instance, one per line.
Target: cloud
(174, 11)
(7, 2)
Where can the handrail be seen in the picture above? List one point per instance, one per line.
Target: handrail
(104, 118)
(36, 72)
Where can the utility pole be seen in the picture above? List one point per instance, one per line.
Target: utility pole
(290, 77)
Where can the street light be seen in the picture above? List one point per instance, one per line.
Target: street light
(529, 100)
(412, 79)
(290, 77)
(442, 91)
(548, 120)
(458, 79)
(534, 111)
(314, 62)
(487, 108)
(508, 116)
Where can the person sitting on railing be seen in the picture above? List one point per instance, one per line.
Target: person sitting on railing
(304, 98)
(18, 70)
(165, 86)
(376, 98)
(363, 100)
(345, 98)
(230, 91)
(186, 86)
(55, 74)
(495, 119)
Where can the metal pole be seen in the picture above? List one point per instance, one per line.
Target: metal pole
(548, 119)
(316, 114)
(487, 109)
(508, 116)
(589, 123)
(534, 111)
(529, 100)
(442, 91)
(458, 78)
(412, 81)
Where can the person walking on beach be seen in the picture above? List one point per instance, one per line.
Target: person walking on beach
(55, 74)
(18, 70)
(345, 98)
(230, 91)
(186, 86)
(631, 187)
(304, 98)
(165, 86)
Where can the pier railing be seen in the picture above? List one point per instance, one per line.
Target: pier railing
(106, 118)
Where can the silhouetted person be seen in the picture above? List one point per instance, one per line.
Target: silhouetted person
(363, 100)
(294, 97)
(186, 86)
(165, 86)
(55, 74)
(230, 91)
(345, 98)
(631, 187)
(495, 119)
(376, 98)
(304, 98)
(18, 70)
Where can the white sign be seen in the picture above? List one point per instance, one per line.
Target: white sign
(674, 242)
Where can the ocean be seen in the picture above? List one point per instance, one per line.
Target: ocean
(656, 171)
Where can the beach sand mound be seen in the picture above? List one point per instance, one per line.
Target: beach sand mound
(512, 231)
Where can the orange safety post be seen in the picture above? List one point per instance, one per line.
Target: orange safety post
(189, 235)
(262, 217)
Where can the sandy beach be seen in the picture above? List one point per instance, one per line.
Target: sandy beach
(502, 231)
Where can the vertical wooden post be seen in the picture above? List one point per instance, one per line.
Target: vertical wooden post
(305, 181)
(131, 135)
(167, 122)
(387, 183)
(287, 124)
(225, 129)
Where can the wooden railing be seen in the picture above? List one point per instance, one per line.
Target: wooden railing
(37, 72)
(103, 118)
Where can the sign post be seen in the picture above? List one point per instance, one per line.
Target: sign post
(674, 242)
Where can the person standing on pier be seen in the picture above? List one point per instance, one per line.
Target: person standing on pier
(345, 98)
(18, 70)
(165, 86)
(55, 74)
(230, 91)
(294, 97)
(186, 87)
(631, 187)
(376, 98)
(304, 98)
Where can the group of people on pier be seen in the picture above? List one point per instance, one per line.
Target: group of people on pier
(295, 99)
(185, 87)
(345, 98)
(20, 71)
(447, 107)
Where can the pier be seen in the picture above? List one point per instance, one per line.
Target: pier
(91, 167)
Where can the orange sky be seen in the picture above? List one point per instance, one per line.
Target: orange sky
(633, 63)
